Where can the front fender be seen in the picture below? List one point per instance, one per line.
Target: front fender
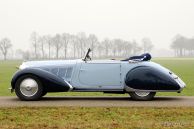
(50, 82)
(151, 78)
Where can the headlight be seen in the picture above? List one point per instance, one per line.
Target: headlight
(173, 75)
(23, 66)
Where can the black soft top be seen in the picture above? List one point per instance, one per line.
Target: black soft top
(143, 57)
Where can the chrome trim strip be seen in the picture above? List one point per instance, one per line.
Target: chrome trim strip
(129, 89)
(70, 86)
(96, 90)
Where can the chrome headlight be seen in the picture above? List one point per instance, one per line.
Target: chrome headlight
(23, 66)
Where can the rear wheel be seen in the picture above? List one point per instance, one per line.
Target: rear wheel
(28, 88)
(142, 95)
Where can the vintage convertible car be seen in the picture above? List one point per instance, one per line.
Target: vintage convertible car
(136, 75)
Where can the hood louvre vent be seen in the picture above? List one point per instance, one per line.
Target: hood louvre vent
(62, 72)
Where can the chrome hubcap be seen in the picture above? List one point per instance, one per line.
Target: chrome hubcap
(29, 87)
(142, 93)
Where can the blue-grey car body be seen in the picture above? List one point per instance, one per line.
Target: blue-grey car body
(101, 75)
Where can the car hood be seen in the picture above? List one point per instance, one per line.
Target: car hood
(47, 63)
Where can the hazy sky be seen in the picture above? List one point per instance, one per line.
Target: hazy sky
(159, 20)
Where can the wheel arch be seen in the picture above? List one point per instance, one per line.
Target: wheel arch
(50, 82)
(16, 77)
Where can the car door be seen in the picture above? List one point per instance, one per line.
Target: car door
(102, 75)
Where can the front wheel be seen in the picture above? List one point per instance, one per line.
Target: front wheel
(44, 93)
(142, 95)
(28, 88)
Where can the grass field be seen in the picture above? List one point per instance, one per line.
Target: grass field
(184, 67)
(79, 117)
(100, 117)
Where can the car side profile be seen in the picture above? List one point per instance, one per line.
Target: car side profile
(137, 76)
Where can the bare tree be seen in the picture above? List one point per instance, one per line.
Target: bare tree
(190, 46)
(127, 48)
(74, 40)
(42, 40)
(49, 39)
(100, 49)
(117, 47)
(178, 45)
(107, 46)
(82, 42)
(5, 45)
(147, 45)
(65, 40)
(183, 46)
(57, 44)
(136, 48)
(34, 40)
(78, 44)
(92, 40)
(113, 47)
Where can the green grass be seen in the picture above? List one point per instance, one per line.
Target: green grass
(100, 117)
(7, 69)
(183, 67)
(82, 117)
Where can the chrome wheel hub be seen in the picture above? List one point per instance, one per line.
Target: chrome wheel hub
(142, 93)
(29, 87)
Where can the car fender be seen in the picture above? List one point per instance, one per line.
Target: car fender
(50, 82)
(150, 78)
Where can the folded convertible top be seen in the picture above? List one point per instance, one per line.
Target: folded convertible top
(143, 57)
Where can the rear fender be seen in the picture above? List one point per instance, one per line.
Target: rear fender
(151, 79)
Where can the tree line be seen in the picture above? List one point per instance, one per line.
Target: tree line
(67, 45)
(183, 46)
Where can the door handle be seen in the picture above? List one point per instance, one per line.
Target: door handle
(82, 70)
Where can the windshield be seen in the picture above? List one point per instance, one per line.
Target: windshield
(87, 56)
